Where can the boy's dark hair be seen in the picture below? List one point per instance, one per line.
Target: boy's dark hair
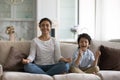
(45, 19)
(84, 35)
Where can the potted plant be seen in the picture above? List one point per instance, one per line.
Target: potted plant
(11, 32)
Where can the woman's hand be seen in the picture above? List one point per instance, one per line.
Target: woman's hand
(66, 60)
(25, 61)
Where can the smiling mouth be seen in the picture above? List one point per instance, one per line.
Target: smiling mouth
(83, 46)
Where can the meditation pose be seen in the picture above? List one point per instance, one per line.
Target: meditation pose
(45, 55)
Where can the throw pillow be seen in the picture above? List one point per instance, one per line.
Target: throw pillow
(109, 59)
(13, 62)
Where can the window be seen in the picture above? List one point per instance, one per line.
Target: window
(68, 17)
(72, 13)
(98, 18)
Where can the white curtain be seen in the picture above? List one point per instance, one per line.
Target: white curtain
(87, 17)
(107, 19)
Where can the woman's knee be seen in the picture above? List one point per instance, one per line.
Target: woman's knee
(28, 66)
(67, 66)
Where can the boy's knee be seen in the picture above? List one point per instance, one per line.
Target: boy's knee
(97, 69)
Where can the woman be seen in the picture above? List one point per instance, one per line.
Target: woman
(45, 53)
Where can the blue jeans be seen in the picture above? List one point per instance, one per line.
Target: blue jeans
(53, 69)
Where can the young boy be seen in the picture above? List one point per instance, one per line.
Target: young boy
(84, 60)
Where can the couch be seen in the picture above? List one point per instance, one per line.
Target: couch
(67, 49)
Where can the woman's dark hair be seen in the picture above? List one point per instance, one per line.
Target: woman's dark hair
(84, 35)
(45, 19)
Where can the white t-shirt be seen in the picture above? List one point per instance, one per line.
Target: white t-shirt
(44, 52)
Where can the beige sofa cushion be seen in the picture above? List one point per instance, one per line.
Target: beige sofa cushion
(14, 60)
(25, 76)
(76, 76)
(22, 46)
(109, 75)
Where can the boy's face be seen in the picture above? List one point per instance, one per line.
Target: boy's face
(84, 44)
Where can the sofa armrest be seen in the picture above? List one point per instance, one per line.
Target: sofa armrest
(1, 70)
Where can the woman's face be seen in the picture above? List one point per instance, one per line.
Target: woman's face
(45, 27)
(84, 44)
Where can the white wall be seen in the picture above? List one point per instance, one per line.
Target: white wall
(87, 16)
(46, 8)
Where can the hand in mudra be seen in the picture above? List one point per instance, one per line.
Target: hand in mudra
(68, 60)
(25, 61)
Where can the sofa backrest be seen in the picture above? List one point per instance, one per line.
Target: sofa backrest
(67, 49)
(95, 45)
(24, 47)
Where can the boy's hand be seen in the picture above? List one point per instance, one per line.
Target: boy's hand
(80, 52)
(98, 53)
